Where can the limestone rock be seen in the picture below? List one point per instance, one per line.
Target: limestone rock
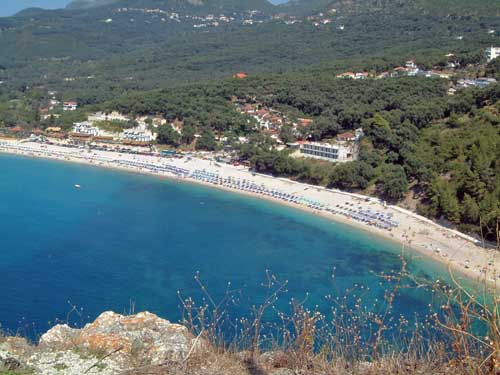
(144, 335)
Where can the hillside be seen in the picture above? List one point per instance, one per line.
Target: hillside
(177, 5)
(84, 4)
(443, 7)
(84, 52)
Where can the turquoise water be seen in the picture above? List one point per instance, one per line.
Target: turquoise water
(126, 237)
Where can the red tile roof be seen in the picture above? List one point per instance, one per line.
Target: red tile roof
(240, 75)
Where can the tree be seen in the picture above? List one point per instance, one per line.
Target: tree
(380, 131)
(168, 136)
(286, 134)
(449, 202)
(493, 68)
(353, 175)
(206, 141)
(188, 132)
(470, 210)
(393, 182)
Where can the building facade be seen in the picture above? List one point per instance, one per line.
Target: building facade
(70, 106)
(326, 151)
(492, 53)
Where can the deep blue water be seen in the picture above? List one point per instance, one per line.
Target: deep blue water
(126, 237)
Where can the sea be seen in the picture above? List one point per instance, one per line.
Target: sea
(129, 242)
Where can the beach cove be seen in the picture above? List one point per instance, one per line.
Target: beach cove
(128, 242)
(451, 248)
(158, 233)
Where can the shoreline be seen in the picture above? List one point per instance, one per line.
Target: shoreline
(455, 252)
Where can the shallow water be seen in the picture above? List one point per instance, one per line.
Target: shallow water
(125, 238)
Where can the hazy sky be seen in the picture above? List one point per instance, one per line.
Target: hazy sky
(10, 7)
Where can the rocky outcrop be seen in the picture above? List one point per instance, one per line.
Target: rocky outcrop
(146, 335)
(112, 344)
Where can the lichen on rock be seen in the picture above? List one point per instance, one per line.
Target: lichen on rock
(112, 344)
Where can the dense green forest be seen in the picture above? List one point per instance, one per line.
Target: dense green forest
(84, 57)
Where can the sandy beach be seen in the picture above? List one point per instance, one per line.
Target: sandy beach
(463, 254)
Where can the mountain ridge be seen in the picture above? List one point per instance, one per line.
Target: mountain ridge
(175, 4)
(84, 4)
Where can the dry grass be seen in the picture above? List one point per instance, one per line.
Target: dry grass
(351, 341)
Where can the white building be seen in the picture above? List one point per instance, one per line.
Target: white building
(85, 128)
(138, 134)
(492, 53)
(101, 116)
(326, 151)
(70, 106)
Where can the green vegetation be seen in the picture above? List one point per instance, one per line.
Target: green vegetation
(23, 371)
(115, 126)
(168, 136)
(60, 366)
(87, 59)
(493, 68)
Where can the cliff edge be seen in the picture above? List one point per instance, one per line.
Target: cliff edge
(114, 344)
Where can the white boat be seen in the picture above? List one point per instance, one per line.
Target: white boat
(77, 186)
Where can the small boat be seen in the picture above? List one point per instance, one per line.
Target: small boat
(77, 186)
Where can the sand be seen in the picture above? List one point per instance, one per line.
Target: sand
(453, 249)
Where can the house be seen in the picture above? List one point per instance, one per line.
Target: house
(53, 103)
(16, 129)
(492, 53)
(138, 134)
(240, 75)
(70, 106)
(326, 151)
(304, 122)
(350, 75)
(383, 75)
(113, 116)
(85, 128)
(350, 136)
(346, 137)
(362, 75)
(398, 71)
(248, 108)
(410, 64)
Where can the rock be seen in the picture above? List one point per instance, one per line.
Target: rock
(14, 347)
(145, 336)
(11, 364)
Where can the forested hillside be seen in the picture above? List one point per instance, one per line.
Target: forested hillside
(93, 53)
